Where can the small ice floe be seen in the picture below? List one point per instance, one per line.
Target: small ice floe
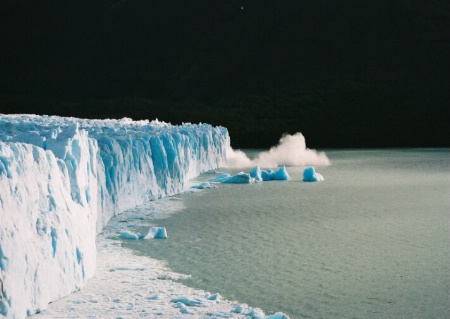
(256, 313)
(220, 178)
(256, 174)
(310, 175)
(278, 315)
(240, 178)
(280, 175)
(128, 235)
(238, 309)
(267, 174)
(156, 232)
(153, 232)
(213, 297)
(153, 297)
(191, 302)
(204, 185)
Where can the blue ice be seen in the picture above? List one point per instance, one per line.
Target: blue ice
(267, 174)
(128, 235)
(156, 232)
(280, 175)
(256, 174)
(310, 175)
(203, 185)
(220, 178)
(240, 178)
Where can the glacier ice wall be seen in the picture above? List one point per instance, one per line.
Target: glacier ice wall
(62, 179)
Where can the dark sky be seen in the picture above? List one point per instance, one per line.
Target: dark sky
(351, 73)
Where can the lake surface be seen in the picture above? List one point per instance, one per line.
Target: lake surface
(371, 241)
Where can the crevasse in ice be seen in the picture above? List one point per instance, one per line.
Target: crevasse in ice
(62, 179)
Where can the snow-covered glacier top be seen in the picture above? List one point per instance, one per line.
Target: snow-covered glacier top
(62, 179)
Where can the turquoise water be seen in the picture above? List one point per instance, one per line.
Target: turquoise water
(371, 241)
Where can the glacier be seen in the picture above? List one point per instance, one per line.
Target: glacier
(62, 179)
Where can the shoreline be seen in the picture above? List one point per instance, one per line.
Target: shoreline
(126, 285)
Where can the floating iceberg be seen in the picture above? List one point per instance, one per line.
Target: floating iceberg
(256, 174)
(266, 175)
(62, 179)
(156, 232)
(220, 178)
(240, 178)
(153, 232)
(204, 185)
(129, 235)
(310, 175)
(279, 175)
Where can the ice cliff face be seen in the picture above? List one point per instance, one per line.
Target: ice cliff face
(62, 179)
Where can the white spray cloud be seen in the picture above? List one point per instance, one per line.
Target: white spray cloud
(290, 151)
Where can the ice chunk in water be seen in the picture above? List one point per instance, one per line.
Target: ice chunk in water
(256, 174)
(310, 175)
(156, 232)
(240, 178)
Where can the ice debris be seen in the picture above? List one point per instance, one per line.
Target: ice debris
(255, 175)
(128, 235)
(239, 178)
(279, 175)
(156, 232)
(222, 177)
(203, 185)
(310, 175)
